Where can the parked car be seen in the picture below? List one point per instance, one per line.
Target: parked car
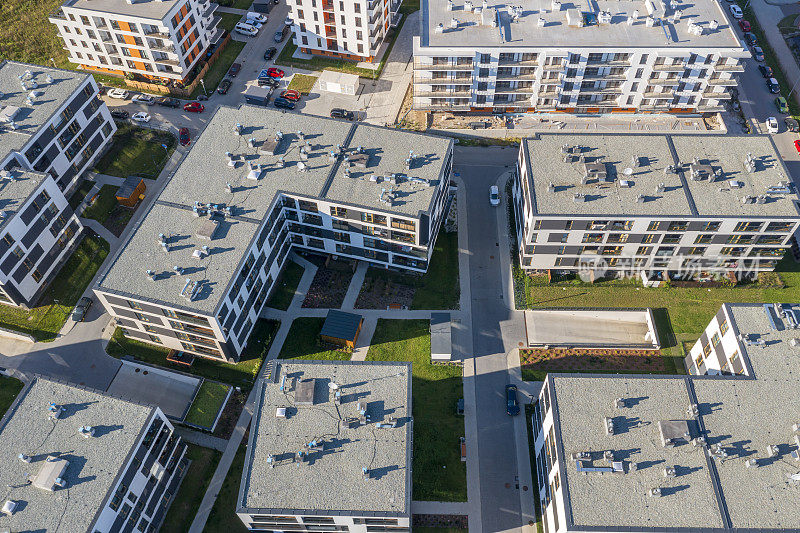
(494, 195)
(750, 39)
(143, 99)
(194, 107)
(183, 136)
(224, 86)
(166, 101)
(758, 53)
(745, 25)
(736, 11)
(141, 116)
(254, 23)
(278, 37)
(81, 308)
(290, 94)
(268, 82)
(235, 68)
(772, 85)
(791, 124)
(283, 103)
(512, 404)
(120, 114)
(765, 71)
(338, 112)
(273, 72)
(797, 145)
(119, 94)
(245, 29)
(260, 17)
(772, 125)
(782, 105)
(270, 53)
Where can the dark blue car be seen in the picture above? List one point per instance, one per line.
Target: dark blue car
(512, 405)
(284, 103)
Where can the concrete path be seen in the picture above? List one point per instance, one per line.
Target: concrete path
(105, 179)
(768, 17)
(355, 285)
(364, 339)
(201, 439)
(461, 508)
(233, 10)
(101, 230)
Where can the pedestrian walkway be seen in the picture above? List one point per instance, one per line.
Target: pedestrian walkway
(443, 508)
(364, 339)
(768, 17)
(201, 439)
(104, 179)
(355, 285)
(232, 10)
(101, 230)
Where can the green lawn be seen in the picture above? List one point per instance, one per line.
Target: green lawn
(229, 21)
(103, 204)
(195, 482)
(223, 63)
(80, 193)
(286, 286)
(303, 342)
(137, 151)
(438, 472)
(46, 319)
(302, 83)
(207, 404)
(9, 389)
(223, 518)
(241, 374)
(237, 4)
(418, 529)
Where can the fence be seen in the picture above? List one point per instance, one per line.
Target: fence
(181, 92)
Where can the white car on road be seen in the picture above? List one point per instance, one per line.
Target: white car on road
(119, 94)
(141, 116)
(772, 125)
(736, 11)
(494, 195)
(143, 99)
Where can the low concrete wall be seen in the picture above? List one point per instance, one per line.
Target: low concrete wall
(16, 335)
(591, 328)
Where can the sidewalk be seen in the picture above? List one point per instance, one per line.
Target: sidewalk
(768, 17)
(364, 339)
(201, 439)
(355, 285)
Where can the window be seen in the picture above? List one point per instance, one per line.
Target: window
(36, 275)
(150, 329)
(715, 339)
(706, 349)
(618, 237)
(593, 237)
(307, 206)
(678, 225)
(650, 238)
(373, 219)
(748, 226)
(403, 224)
(697, 250)
(723, 327)
(672, 238)
(654, 225)
(644, 250)
(770, 239)
(338, 212)
(134, 305)
(780, 226)
(703, 239)
(699, 361)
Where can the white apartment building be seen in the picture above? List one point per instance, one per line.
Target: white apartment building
(606, 56)
(78, 460)
(356, 479)
(705, 452)
(156, 39)
(348, 29)
(257, 183)
(691, 204)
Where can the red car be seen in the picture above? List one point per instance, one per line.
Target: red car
(183, 136)
(290, 94)
(275, 72)
(744, 25)
(797, 145)
(194, 107)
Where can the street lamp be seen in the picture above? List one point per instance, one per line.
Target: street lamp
(203, 83)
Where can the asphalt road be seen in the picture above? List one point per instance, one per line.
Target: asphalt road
(495, 332)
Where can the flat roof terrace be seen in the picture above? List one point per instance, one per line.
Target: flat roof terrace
(568, 25)
(148, 9)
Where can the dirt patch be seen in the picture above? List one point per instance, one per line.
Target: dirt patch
(119, 218)
(378, 293)
(439, 520)
(227, 421)
(589, 360)
(330, 285)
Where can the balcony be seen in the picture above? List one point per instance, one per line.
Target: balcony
(518, 63)
(651, 94)
(610, 62)
(711, 109)
(445, 66)
(600, 90)
(673, 82)
(330, 32)
(609, 77)
(327, 6)
(680, 67)
(156, 33)
(449, 107)
(548, 94)
(729, 68)
(724, 95)
(513, 90)
(554, 66)
(167, 61)
(724, 82)
(528, 76)
(443, 94)
(208, 12)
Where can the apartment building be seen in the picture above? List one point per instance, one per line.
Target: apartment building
(79, 460)
(199, 267)
(691, 204)
(156, 39)
(545, 56)
(348, 29)
(51, 121)
(704, 452)
(298, 477)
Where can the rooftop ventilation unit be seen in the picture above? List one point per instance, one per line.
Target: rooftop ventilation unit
(86, 431)
(661, 188)
(609, 425)
(752, 463)
(252, 142)
(24, 458)
(761, 199)
(302, 167)
(238, 128)
(641, 199)
(439, 28)
(650, 21)
(713, 25)
(50, 474)
(178, 270)
(669, 472)
(574, 18)
(255, 172)
(454, 23)
(734, 184)
(190, 289)
(280, 412)
(9, 506)
(699, 172)
(231, 159)
(467, 5)
(604, 17)
(151, 274)
(748, 199)
(450, 5)
(54, 411)
(551, 187)
(578, 198)
(619, 403)
(772, 450)
(555, 5)
(654, 492)
(540, 22)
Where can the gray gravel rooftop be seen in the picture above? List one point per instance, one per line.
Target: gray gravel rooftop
(331, 481)
(619, 152)
(94, 463)
(50, 97)
(557, 32)
(203, 177)
(614, 499)
(747, 415)
(149, 9)
(15, 189)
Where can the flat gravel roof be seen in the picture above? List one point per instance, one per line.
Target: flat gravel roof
(94, 463)
(15, 189)
(149, 9)
(330, 480)
(475, 29)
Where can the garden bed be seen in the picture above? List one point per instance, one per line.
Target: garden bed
(537, 362)
(330, 285)
(209, 401)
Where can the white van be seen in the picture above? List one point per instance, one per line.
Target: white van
(245, 29)
(258, 17)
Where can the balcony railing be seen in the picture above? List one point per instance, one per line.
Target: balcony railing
(729, 68)
(530, 76)
(519, 63)
(445, 66)
(651, 94)
(680, 67)
(210, 10)
(449, 106)
(443, 94)
(663, 81)
(554, 66)
(711, 109)
(724, 95)
(514, 90)
(726, 82)
(609, 77)
(600, 90)
(547, 94)
(610, 62)
(167, 61)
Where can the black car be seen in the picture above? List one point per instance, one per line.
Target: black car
(791, 124)
(337, 112)
(270, 53)
(765, 71)
(166, 101)
(81, 308)
(512, 404)
(750, 39)
(120, 114)
(284, 103)
(772, 85)
(224, 86)
(268, 82)
(234, 71)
